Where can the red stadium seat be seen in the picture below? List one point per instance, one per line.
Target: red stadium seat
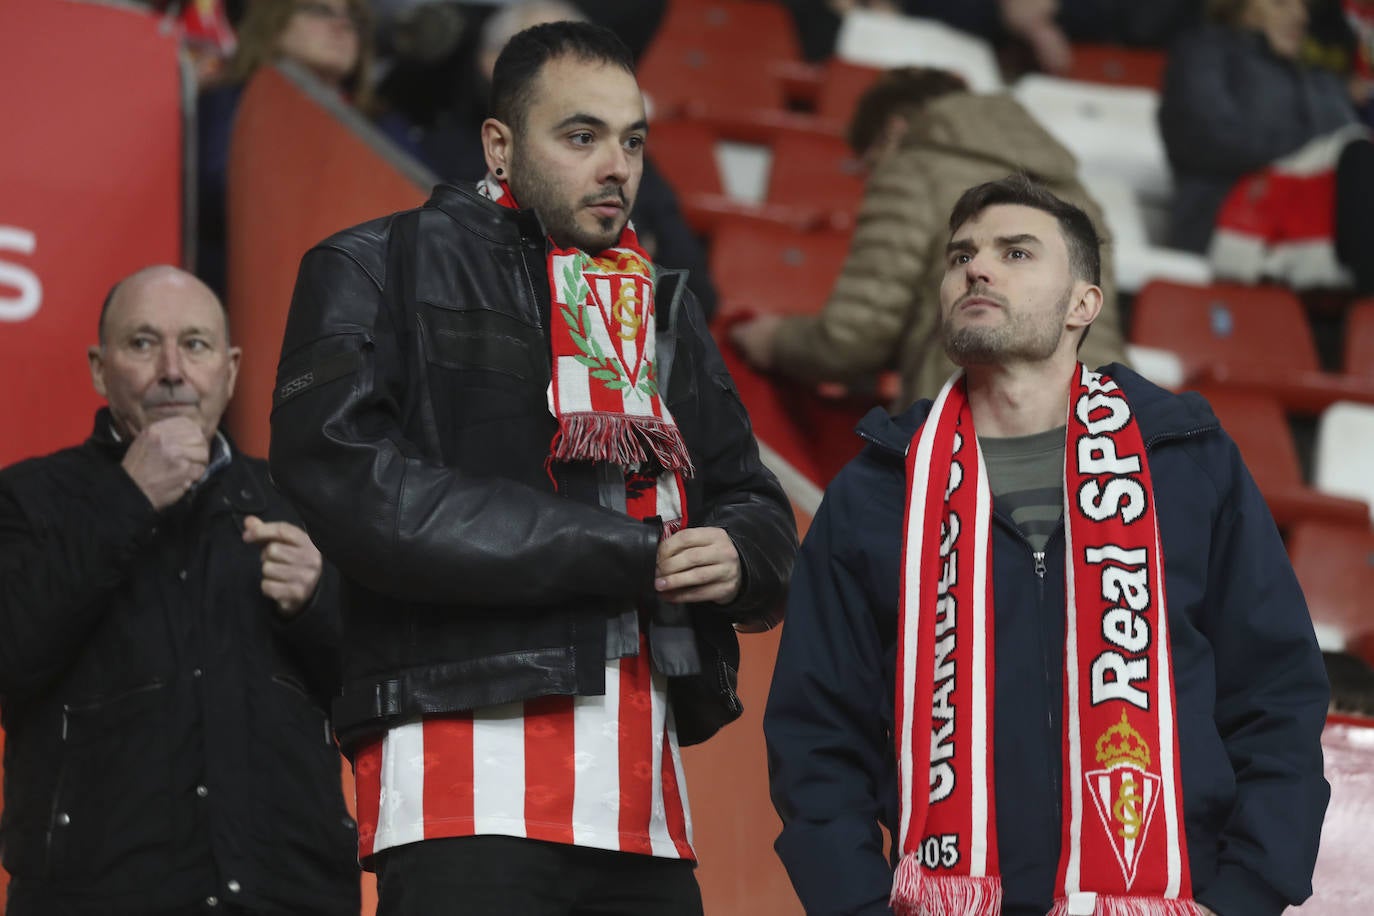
(816, 170)
(761, 265)
(1335, 565)
(1254, 338)
(1260, 429)
(1359, 340)
(844, 83)
(1118, 66)
(719, 60)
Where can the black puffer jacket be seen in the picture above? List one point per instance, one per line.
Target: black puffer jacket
(412, 431)
(166, 735)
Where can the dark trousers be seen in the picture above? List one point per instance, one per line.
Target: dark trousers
(499, 875)
(1355, 212)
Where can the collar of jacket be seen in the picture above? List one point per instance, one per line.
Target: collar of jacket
(242, 492)
(487, 218)
(1162, 415)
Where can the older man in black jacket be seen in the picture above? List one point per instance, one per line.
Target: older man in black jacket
(516, 438)
(168, 644)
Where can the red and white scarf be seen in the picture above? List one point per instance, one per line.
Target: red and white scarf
(604, 390)
(1124, 851)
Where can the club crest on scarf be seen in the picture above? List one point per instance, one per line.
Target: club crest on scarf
(1124, 793)
(605, 303)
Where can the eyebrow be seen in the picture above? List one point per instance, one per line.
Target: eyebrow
(1002, 241)
(590, 120)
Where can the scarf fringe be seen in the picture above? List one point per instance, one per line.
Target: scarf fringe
(622, 440)
(916, 892)
(1109, 905)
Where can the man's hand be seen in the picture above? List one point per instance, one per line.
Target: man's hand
(166, 458)
(754, 337)
(1033, 21)
(291, 564)
(697, 564)
(1203, 910)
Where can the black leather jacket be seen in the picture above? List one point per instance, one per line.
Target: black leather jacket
(410, 427)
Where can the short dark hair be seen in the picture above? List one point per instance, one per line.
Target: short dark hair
(1020, 189)
(524, 56)
(904, 91)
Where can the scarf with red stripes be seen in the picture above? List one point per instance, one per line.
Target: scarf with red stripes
(604, 387)
(1123, 850)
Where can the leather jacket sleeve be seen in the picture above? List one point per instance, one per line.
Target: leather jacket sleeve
(394, 519)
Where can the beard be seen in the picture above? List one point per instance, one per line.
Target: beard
(1019, 338)
(537, 190)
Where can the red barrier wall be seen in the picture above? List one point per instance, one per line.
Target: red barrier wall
(90, 190)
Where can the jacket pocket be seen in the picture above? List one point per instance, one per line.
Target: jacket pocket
(302, 798)
(113, 788)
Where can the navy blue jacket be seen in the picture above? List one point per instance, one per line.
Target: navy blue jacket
(1252, 693)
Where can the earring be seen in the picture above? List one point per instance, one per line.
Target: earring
(500, 172)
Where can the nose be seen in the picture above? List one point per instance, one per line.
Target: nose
(616, 168)
(978, 270)
(170, 371)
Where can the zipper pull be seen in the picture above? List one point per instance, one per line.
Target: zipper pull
(1039, 563)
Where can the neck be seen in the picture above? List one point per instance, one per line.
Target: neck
(1019, 400)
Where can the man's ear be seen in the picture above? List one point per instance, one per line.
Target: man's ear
(497, 140)
(1084, 306)
(97, 361)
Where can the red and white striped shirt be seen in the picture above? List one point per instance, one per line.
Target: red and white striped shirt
(601, 771)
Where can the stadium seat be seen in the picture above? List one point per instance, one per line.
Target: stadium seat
(719, 60)
(1117, 65)
(816, 170)
(685, 151)
(704, 82)
(886, 40)
(761, 265)
(1343, 458)
(1359, 340)
(1260, 429)
(1335, 566)
(1111, 130)
(843, 84)
(761, 29)
(1248, 337)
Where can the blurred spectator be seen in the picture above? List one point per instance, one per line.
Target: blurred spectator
(1235, 99)
(1360, 16)
(1352, 684)
(453, 147)
(926, 139)
(330, 38)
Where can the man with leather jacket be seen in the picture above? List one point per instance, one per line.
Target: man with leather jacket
(517, 440)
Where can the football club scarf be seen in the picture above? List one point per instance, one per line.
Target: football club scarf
(1123, 851)
(604, 389)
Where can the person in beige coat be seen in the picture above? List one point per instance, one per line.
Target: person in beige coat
(927, 140)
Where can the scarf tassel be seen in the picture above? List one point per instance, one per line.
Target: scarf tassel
(916, 892)
(621, 440)
(1110, 905)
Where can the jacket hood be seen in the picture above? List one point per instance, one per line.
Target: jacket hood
(996, 128)
(1161, 414)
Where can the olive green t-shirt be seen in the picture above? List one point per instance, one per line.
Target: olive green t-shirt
(1026, 474)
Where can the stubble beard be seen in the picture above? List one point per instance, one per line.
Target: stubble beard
(1015, 339)
(535, 190)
